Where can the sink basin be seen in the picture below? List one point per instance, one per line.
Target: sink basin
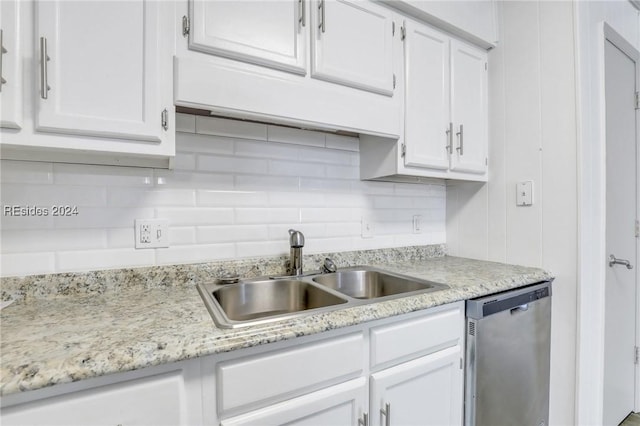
(371, 283)
(263, 300)
(259, 301)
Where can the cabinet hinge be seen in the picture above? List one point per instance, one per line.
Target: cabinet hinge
(486, 66)
(394, 81)
(164, 119)
(403, 150)
(486, 161)
(186, 27)
(637, 356)
(460, 363)
(403, 32)
(637, 228)
(637, 100)
(393, 28)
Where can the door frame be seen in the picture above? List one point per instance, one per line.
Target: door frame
(592, 217)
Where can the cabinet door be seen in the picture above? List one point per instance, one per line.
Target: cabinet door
(268, 33)
(342, 404)
(152, 401)
(352, 44)
(426, 391)
(426, 97)
(99, 68)
(10, 66)
(469, 108)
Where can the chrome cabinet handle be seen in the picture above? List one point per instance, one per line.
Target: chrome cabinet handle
(302, 20)
(364, 421)
(44, 79)
(615, 261)
(460, 135)
(321, 7)
(387, 414)
(2, 52)
(449, 133)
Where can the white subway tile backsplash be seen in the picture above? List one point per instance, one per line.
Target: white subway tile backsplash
(195, 253)
(89, 260)
(19, 264)
(80, 174)
(295, 136)
(185, 123)
(26, 172)
(234, 165)
(196, 216)
(231, 234)
(234, 128)
(266, 216)
(346, 143)
(231, 198)
(235, 191)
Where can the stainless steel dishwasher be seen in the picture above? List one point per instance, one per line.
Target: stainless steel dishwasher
(507, 374)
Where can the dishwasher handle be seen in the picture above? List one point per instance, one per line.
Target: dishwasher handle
(521, 308)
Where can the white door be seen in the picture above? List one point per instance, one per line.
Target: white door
(99, 68)
(343, 405)
(423, 392)
(352, 44)
(620, 284)
(469, 108)
(268, 33)
(426, 97)
(10, 66)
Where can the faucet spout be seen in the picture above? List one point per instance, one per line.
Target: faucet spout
(296, 241)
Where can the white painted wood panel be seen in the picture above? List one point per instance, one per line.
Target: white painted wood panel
(352, 44)
(268, 33)
(254, 379)
(103, 70)
(409, 338)
(427, 96)
(426, 391)
(342, 404)
(11, 90)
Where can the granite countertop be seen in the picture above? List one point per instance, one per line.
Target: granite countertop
(52, 340)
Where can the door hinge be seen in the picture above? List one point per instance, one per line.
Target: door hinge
(460, 363)
(637, 100)
(637, 228)
(394, 81)
(403, 150)
(185, 26)
(637, 357)
(164, 119)
(403, 32)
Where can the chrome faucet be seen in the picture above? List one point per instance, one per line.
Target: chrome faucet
(296, 241)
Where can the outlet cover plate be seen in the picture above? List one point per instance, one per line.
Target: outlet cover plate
(151, 233)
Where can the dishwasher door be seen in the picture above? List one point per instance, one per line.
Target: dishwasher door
(508, 343)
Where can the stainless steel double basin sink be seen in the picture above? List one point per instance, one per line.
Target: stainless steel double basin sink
(262, 300)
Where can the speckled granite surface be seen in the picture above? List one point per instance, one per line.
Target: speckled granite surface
(46, 341)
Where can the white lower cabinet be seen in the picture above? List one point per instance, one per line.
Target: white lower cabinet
(343, 404)
(426, 391)
(166, 395)
(405, 370)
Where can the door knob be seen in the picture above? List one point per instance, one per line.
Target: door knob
(615, 261)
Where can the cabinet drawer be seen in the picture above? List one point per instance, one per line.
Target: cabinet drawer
(412, 338)
(288, 372)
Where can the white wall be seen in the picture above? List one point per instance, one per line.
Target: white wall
(532, 137)
(236, 189)
(623, 17)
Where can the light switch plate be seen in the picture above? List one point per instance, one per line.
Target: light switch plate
(417, 224)
(524, 193)
(367, 228)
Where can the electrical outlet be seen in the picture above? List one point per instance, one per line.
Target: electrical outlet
(417, 224)
(151, 233)
(367, 228)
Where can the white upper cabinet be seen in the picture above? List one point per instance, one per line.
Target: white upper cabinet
(469, 112)
(352, 44)
(268, 33)
(99, 69)
(10, 66)
(427, 97)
